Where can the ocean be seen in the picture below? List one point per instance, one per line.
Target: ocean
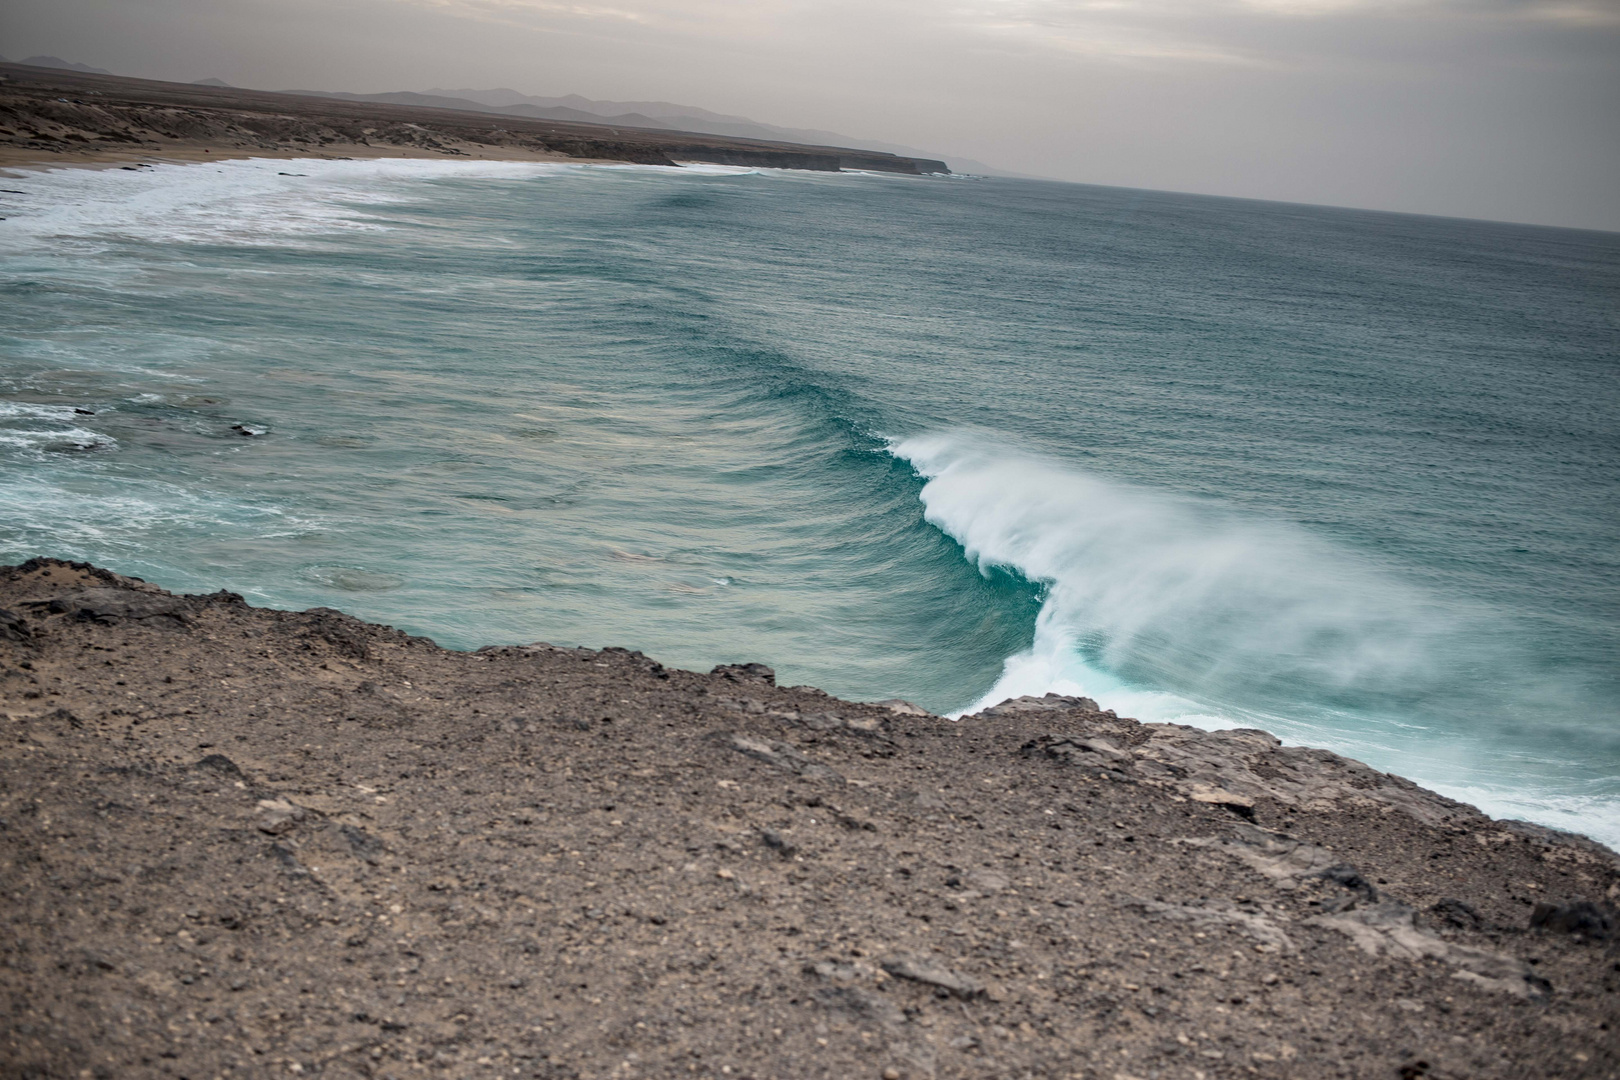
(1350, 477)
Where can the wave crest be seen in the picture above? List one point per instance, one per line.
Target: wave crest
(1152, 590)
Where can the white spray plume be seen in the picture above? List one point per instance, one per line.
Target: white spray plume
(1172, 592)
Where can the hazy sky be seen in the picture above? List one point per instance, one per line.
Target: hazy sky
(1505, 109)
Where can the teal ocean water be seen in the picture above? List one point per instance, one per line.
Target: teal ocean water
(1350, 477)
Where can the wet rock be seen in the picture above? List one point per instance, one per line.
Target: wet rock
(903, 708)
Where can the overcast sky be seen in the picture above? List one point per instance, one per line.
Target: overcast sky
(1506, 109)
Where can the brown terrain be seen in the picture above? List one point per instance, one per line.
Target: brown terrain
(50, 116)
(243, 842)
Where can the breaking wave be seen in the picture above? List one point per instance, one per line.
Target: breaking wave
(1152, 590)
(1169, 608)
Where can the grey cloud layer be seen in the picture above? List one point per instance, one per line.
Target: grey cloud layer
(1489, 108)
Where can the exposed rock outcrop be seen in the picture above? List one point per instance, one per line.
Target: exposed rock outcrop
(246, 842)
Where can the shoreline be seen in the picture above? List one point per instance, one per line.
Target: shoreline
(15, 160)
(45, 112)
(258, 842)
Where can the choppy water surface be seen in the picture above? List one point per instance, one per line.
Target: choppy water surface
(1347, 476)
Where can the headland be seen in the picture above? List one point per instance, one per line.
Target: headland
(50, 116)
(245, 842)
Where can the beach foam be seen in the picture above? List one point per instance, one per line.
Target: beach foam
(236, 202)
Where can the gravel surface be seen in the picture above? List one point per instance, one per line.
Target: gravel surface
(242, 842)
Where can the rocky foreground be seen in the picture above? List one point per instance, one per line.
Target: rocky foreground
(240, 842)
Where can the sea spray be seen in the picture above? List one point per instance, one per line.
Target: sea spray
(1172, 593)
(1333, 474)
(1168, 608)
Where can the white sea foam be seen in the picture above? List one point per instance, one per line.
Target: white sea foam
(254, 201)
(251, 202)
(62, 430)
(702, 168)
(1171, 609)
(92, 514)
(1180, 592)
(32, 411)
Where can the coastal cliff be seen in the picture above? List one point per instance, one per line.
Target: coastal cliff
(47, 114)
(246, 842)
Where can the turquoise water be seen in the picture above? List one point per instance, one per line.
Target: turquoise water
(1350, 477)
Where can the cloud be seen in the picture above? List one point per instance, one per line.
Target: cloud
(1197, 32)
(1491, 108)
(531, 14)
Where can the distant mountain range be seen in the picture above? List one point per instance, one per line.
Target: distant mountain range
(57, 62)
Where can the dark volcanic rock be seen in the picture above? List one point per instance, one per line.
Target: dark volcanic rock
(13, 627)
(1577, 917)
(240, 842)
(110, 605)
(745, 673)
